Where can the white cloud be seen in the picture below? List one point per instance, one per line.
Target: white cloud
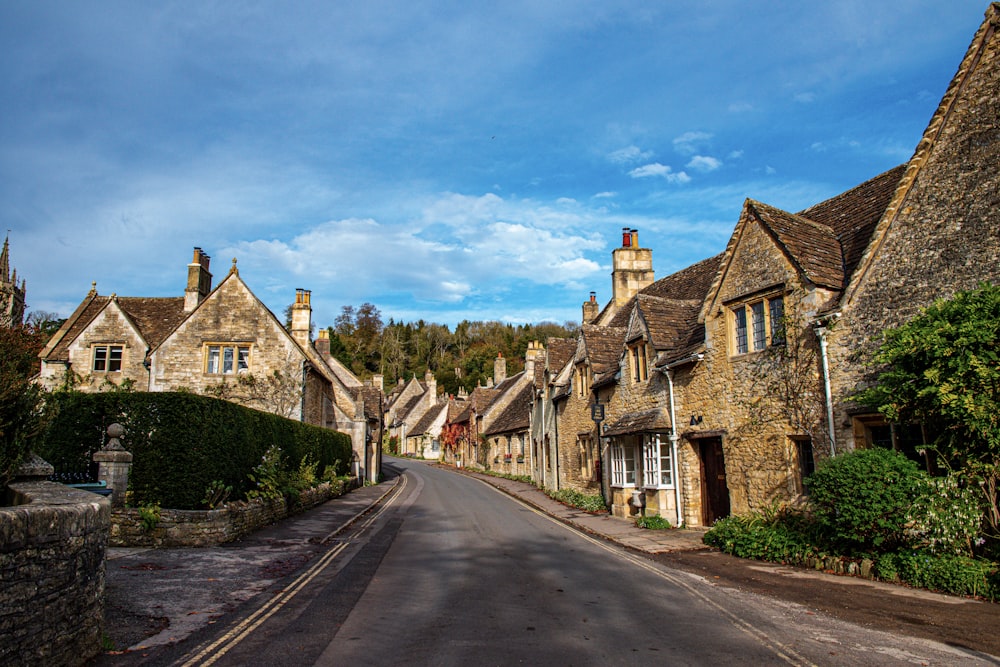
(704, 163)
(662, 170)
(629, 155)
(805, 98)
(735, 155)
(605, 195)
(689, 142)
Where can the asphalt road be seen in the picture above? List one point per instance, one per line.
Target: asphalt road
(450, 571)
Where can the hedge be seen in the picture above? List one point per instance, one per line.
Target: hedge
(182, 442)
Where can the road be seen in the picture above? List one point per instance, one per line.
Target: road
(449, 571)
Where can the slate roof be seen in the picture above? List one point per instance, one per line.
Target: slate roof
(853, 215)
(425, 423)
(373, 402)
(560, 351)
(811, 246)
(602, 346)
(671, 322)
(515, 417)
(153, 317)
(638, 422)
(692, 282)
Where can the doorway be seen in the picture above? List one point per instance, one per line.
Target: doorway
(714, 490)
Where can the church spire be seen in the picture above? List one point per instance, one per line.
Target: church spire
(5, 260)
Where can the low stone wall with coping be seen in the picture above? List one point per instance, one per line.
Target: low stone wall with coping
(52, 547)
(203, 528)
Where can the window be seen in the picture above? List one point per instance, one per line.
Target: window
(227, 359)
(658, 461)
(804, 459)
(758, 324)
(640, 370)
(583, 379)
(623, 464)
(586, 449)
(108, 358)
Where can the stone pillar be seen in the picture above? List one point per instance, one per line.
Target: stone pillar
(114, 465)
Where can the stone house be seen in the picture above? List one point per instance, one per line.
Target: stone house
(220, 341)
(940, 234)
(552, 376)
(407, 405)
(423, 439)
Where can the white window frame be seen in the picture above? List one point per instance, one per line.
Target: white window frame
(640, 365)
(622, 475)
(658, 461)
(107, 357)
(227, 358)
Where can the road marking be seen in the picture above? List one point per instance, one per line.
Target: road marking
(211, 653)
(781, 650)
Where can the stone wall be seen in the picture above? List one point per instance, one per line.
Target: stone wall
(110, 326)
(52, 547)
(942, 232)
(202, 528)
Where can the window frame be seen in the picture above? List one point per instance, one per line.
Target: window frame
(107, 359)
(754, 324)
(217, 357)
(658, 460)
(623, 476)
(638, 361)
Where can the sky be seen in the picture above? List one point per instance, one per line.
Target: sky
(444, 160)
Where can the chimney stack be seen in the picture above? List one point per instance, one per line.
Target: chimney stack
(499, 369)
(534, 353)
(323, 343)
(302, 317)
(199, 282)
(591, 309)
(633, 268)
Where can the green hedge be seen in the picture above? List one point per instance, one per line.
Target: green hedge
(183, 442)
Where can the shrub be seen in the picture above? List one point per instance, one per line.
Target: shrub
(22, 414)
(763, 538)
(182, 443)
(948, 573)
(945, 517)
(653, 522)
(579, 500)
(862, 498)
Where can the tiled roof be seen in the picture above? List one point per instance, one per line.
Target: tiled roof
(425, 423)
(373, 402)
(515, 417)
(811, 246)
(637, 422)
(854, 214)
(670, 321)
(560, 351)
(603, 346)
(154, 317)
(690, 283)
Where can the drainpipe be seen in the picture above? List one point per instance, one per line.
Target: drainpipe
(821, 332)
(673, 448)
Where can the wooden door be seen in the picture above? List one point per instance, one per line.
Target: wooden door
(714, 491)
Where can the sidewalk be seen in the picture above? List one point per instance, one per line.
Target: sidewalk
(615, 529)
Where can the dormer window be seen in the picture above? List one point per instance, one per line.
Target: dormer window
(582, 380)
(756, 325)
(638, 362)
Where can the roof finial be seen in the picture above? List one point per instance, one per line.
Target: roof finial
(233, 270)
(93, 288)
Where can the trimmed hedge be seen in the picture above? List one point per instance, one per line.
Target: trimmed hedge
(182, 442)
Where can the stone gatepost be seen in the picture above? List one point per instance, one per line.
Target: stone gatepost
(114, 464)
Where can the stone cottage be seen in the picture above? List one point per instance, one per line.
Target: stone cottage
(222, 342)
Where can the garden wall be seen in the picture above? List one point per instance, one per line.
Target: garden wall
(52, 547)
(202, 528)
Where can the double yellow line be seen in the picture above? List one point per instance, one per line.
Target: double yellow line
(211, 653)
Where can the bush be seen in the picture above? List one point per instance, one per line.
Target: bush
(945, 517)
(579, 500)
(21, 408)
(862, 498)
(183, 443)
(653, 522)
(778, 539)
(958, 575)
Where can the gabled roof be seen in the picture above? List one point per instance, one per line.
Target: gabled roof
(983, 118)
(854, 214)
(810, 246)
(559, 351)
(515, 417)
(425, 423)
(153, 317)
(670, 322)
(602, 347)
(692, 282)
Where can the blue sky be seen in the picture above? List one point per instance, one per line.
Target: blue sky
(443, 160)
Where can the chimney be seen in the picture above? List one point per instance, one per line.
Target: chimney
(535, 352)
(633, 267)
(431, 385)
(378, 381)
(499, 369)
(199, 282)
(302, 317)
(323, 343)
(590, 309)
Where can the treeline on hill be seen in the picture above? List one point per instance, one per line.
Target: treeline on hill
(460, 358)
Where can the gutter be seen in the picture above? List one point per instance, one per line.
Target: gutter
(668, 370)
(822, 329)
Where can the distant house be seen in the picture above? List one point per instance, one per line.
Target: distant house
(222, 342)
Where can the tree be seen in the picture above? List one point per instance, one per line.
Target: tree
(942, 369)
(22, 413)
